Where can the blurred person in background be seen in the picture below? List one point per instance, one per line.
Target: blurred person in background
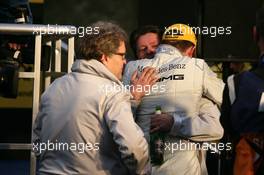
(243, 111)
(144, 41)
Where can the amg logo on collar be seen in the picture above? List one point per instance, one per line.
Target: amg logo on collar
(172, 77)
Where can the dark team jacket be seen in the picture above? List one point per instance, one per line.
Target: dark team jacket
(243, 113)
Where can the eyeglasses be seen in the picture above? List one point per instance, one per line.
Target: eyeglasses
(123, 55)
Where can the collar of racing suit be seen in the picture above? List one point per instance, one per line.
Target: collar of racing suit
(169, 50)
(94, 67)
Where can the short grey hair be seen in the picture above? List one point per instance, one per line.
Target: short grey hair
(107, 41)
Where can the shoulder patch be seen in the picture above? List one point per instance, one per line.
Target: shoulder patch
(231, 88)
(166, 50)
(261, 103)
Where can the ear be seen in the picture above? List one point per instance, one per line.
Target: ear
(190, 51)
(104, 59)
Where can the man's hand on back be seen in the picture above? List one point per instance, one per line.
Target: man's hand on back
(142, 84)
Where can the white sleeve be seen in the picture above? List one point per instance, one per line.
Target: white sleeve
(204, 127)
(213, 87)
(126, 133)
(128, 73)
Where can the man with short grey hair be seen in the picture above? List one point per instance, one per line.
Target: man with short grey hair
(78, 110)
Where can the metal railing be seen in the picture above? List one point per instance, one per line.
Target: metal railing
(51, 35)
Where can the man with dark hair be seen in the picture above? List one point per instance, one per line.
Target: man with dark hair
(243, 111)
(144, 41)
(86, 114)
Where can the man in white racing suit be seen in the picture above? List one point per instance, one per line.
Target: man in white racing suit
(179, 91)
